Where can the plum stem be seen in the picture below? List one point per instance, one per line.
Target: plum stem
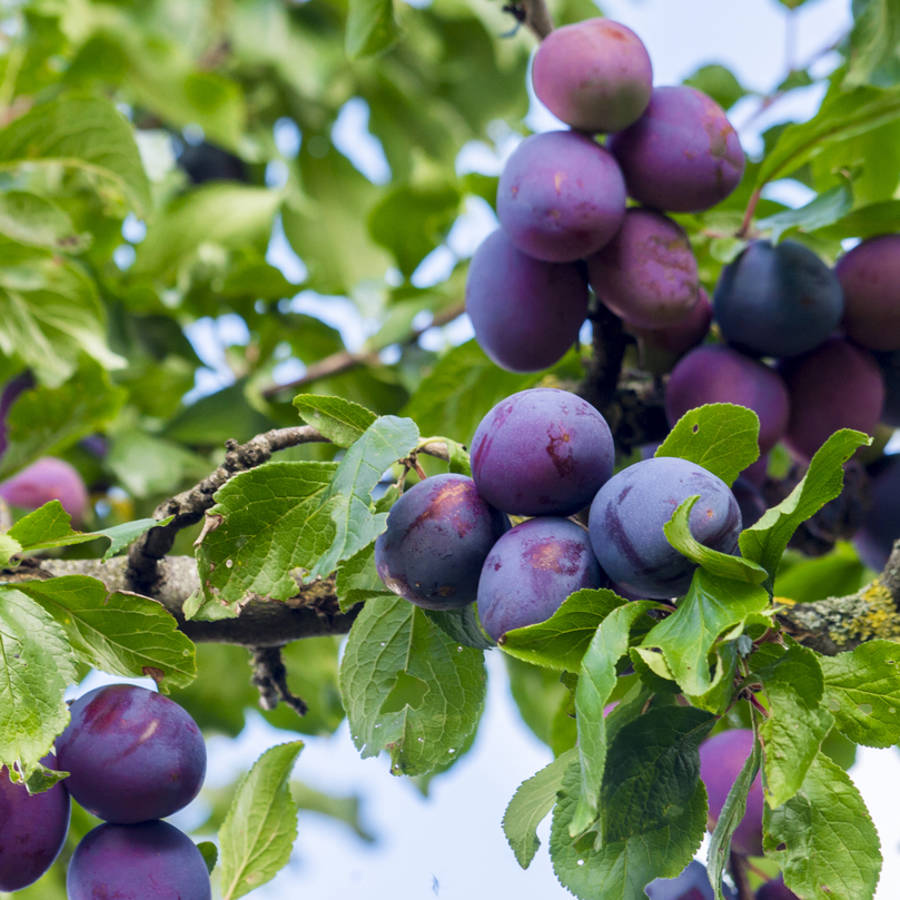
(744, 230)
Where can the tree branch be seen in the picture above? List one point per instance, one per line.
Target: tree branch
(533, 14)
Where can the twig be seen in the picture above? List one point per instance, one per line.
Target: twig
(533, 14)
(270, 678)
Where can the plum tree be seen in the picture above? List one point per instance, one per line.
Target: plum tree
(47, 479)
(525, 312)
(682, 154)
(691, 884)
(629, 512)
(32, 829)
(721, 758)
(777, 300)
(647, 274)
(870, 278)
(595, 75)
(881, 525)
(133, 754)
(531, 570)
(717, 374)
(560, 196)
(144, 861)
(541, 451)
(438, 535)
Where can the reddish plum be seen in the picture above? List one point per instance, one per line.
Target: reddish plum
(45, 480)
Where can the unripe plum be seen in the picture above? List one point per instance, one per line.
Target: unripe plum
(662, 347)
(870, 277)
(133, 754)
(881, 526)
(561, 196)
(717, 374)
(837, 385)
(629, 512)
(47, 479)
(526, 313)
(531, 570)
(541, 452)
(145, 861)
(682, 154)
(32, 829)
(777, 301)
(692, 884)
(595, 75)
(647, 274)
(776, 890)
(721, 759)
(438, 535)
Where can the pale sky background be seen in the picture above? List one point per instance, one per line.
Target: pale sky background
(451, 845)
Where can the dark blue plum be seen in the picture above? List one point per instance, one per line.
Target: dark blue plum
(438, 535)
(777, 301)
(881, 526)
(630, 510)
(691, 884)
(750, 500)
(541, 452)
(32, 829)
(145, 861)
(889, 363)
(531, 570)
(133, 754)
(776, 890)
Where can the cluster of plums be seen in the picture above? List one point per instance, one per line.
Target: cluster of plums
(133, 757)
(546, 454)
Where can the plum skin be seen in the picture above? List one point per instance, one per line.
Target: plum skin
(143, 861)
(561, 196)
(541, 452)
(628, 514)
(133, 754)
(661, 348)
(531, 570)
(594, 75)
(44, 480)
(438, 535)
(33, 829)
(526, 313)
(775, 890)
(881, 526)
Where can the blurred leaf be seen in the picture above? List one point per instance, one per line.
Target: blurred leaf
(824, 210)
(34, 220)
(805, 580)
(868, 221)
(370, 27)
(539, 694)
(342, 808)
(218, 417)
(875, 44)
(210, 853)
(718, 82)
(146, 465)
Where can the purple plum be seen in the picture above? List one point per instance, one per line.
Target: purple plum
(662, 347)
(776, 890)
(881, 525)
(47, 479)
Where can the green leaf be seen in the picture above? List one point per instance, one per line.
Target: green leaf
(711, 606)
(124, 634)
(561, 641)
(826, 209)
(358, 581)
(371, 27)
(341, 421)
(210, 853)
(532, 801)
(823, 838)
(343, 808)
(721, 437)
(461, 625)
(874, 44)
(867, 221)
(38, 222)
(862, 689)
(36, 667)
(766, 541)
(717, 82)
(9, 547)
(678, 533)
(258, 833)
(147, 466)
(806, 580)
(408, 688)
(81, 132)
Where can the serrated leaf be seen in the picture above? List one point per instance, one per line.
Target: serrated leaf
(721, 437)
(823, 838)
(408, 688)
(461, 625)
(36, 667)
(826, 209)
(678, 534)
(561, 641)
(862, 690)
(371, 27)
(358, 581)
(532, 801)
(124, 634)
(341, 421)
(258, 833)
(766, 540)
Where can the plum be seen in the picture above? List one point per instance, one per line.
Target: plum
(717, 374)
(595, 75)
(541, 452)
(750, 500)
(777, 301)
(889, 363)
(561, 196)
(881, 525)
(837, 385)
(721, 758)
(32, 829)
(647, 274)
(438, 535)
(531, 570)
(629, 512)
(870, 277)
(692, 884)
(526, 313)
(133, 754)
(47, 479)
(682, 154)
(776, 890)
(662, 347)
(144, 861)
